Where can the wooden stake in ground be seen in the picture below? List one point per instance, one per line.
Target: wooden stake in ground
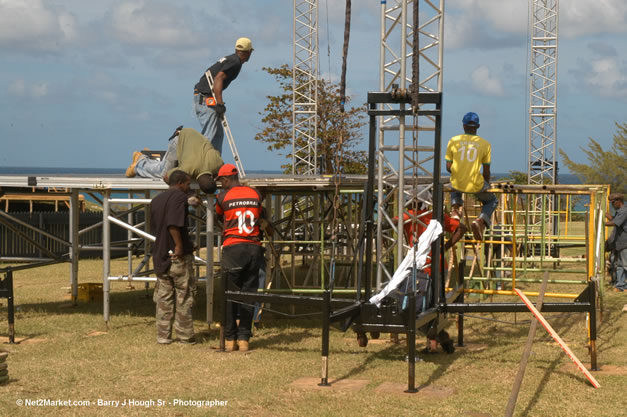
(511, 404)
(558, 339)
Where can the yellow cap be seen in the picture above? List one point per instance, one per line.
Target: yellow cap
(243, 44)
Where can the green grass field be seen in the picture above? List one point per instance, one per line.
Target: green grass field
(67, 353)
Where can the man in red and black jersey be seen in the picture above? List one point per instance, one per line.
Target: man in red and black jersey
(242, 254)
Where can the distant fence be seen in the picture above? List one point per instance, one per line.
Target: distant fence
(57, 224)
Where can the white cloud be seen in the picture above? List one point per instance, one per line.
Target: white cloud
(32, 25)
(585, 17)
(485, 83)
(608, 77)
(21, 88)
(151, 23)
(503, 15)
(476, 28)
(487, 23)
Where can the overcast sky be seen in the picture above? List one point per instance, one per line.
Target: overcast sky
(84, 83)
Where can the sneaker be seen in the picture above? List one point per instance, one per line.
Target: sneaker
(164, 341)
(130, 171)
(477, 227)
(230, 346)
(243, 345)
(190, 341)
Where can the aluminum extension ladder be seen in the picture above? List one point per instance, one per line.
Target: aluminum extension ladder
(227, 132)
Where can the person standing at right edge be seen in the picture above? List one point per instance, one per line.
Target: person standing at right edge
(240, 208)
(209, 106)
(618, 238)
(466, 156)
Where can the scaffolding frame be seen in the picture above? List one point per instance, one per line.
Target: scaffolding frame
(523, 238)
(397, 158)
(305, 73)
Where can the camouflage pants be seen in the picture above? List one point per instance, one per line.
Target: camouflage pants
(174, 294)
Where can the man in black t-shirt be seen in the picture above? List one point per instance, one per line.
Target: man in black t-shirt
(173, 259)
(209, 106)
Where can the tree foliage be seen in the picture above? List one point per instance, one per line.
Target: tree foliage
(605, 167)
(516, 177)
(519, 177)
(277, 130)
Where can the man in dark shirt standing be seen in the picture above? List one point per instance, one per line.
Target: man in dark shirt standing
(209, 107)
(618, 238)
(173, 258)
(242, 255)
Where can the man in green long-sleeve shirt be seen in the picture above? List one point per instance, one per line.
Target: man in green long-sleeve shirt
(188, 151)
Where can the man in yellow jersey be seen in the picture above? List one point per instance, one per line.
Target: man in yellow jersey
(465, 157)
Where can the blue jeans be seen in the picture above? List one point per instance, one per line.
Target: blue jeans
(621, 269)
(489, 202)
(211, 126)
(151, 168)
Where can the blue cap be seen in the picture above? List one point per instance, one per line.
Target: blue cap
(471, 119)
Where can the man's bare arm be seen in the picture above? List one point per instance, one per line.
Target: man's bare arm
(178, 241)
(217, 87)
(456, 236)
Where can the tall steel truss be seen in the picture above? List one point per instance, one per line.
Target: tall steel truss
(398, 157)
(542, 164)
(305, 88)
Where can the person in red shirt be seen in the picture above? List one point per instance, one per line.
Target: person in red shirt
(240, 208)
(423, 218)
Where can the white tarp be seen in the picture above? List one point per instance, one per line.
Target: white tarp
(422, 251)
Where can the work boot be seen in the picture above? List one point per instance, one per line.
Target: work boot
(243, 345)
(230, 346)
(478, 226)
(130, 171)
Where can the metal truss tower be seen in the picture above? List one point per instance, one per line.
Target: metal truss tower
(402, 156)
(542, 164)
(305, 88)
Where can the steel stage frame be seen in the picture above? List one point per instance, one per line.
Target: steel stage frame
(365, 317)
(301, 230)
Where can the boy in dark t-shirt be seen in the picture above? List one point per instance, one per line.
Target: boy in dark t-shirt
(173, 259)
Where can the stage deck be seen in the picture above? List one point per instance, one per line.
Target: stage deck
(120, 182)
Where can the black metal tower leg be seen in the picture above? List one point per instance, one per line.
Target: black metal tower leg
(411, 344)
(9, 284)
(223, 306)
(593, 326)
(460, 299)
(326, 311)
